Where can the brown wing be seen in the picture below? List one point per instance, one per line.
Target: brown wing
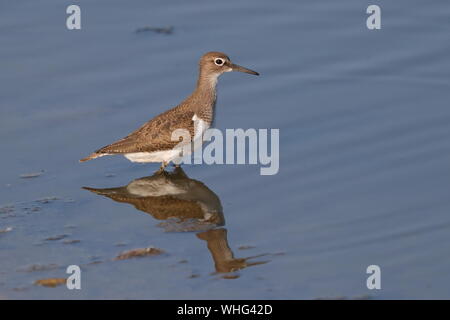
(155, 135)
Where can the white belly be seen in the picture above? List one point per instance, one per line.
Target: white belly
(157, 156)
(168, 155)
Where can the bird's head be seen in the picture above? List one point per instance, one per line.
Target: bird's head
(215, 63)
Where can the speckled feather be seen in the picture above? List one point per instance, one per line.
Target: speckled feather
(156, 134)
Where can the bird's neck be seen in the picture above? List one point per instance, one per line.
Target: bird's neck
(203, 98)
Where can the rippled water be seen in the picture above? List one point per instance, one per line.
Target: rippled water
(364, 150)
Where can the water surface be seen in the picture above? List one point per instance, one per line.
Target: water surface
(364, 150)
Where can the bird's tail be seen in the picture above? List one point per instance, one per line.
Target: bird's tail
(92, 156)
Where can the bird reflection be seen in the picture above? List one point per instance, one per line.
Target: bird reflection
(223, 257)
(183, 204)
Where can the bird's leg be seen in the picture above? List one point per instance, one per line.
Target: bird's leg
(163, 166)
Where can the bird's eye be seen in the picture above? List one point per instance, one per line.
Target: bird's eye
(218, 61)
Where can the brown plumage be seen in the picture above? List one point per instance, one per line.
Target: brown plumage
(156, 135)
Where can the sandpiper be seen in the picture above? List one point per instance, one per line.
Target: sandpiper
(153, 141)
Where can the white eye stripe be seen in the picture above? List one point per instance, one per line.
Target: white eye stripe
(219, 62)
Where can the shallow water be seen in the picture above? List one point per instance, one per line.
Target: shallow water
(364, 150)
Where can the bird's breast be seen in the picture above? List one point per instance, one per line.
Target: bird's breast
(200, 126)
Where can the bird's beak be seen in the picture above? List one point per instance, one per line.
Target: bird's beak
(235, 67)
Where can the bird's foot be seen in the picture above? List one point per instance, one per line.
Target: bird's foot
(163, 167)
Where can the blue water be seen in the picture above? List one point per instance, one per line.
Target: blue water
(364, 147)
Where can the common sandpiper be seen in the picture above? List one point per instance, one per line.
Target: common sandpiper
(153, 142)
